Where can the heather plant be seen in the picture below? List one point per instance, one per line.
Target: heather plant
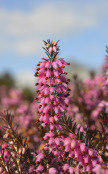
(15, 156)
(64, 141)
(65, 131)
(23, 111)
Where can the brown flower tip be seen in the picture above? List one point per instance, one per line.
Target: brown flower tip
(38, 64)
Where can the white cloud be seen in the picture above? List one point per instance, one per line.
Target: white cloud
(25, 78)
(23, 32)
(27, 46)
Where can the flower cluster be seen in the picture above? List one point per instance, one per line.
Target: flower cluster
(68, 155)
(52, 90)
(65, 130)
(52, 47)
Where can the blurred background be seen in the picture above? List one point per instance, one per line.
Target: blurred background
(81, 27)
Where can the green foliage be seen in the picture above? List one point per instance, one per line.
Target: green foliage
(27, 94)
(7, 80)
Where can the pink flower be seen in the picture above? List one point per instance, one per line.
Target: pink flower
(48, 73)
(4, 146)
(56, 118)
(47, 65)
(52, 126)
(94, 162)
(73, 144)
(82, 147)
(66, 167)
(22, 109)
(67, 141)
(52, 170)
(39, 168)
(39, 157)
(57, 141)
(31, 169)
(91, 152)
(71, 170)
(51, 141)
(56, 73)
(52, 90)
(54, 48)
(51, 119)
(55, 65)
(86, 159)
(6, 156)
(97, 169)
(50, 49)
(56, 153)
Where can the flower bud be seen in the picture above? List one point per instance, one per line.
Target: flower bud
(50, 49)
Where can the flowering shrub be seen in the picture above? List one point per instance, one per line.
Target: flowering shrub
(64, 131)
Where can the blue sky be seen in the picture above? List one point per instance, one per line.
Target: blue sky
(81, 26)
